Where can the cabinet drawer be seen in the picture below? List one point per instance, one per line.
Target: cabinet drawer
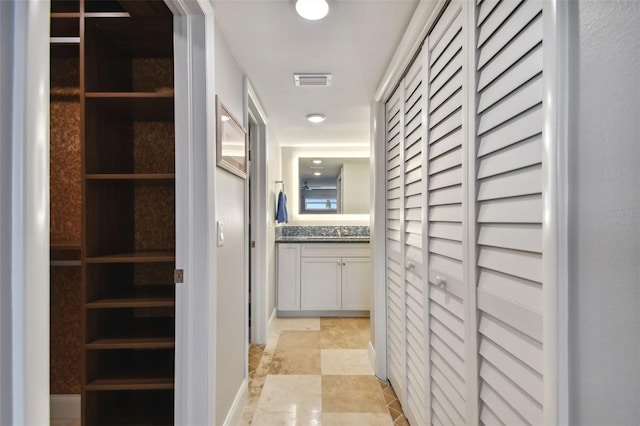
(335, 250)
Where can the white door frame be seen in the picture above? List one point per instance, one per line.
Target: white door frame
(196, 300)
(259, 280)
(24, 214)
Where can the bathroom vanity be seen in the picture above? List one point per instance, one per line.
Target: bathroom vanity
(323, 276)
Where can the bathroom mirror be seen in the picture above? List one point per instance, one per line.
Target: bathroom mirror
(333, 185)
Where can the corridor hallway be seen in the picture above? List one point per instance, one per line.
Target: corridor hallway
(316, 371)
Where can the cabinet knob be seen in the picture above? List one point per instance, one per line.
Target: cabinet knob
(344, 264)
(441, 281)
(409, 265)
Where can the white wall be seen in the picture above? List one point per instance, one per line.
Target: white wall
(605, 214)
(356, 188)
(274, 173)
(6, 68)
(231, 267)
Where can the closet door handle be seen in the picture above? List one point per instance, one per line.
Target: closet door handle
(409, 266)
(441, 281)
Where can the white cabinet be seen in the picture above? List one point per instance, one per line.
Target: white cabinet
(356, 283)
(288, 276)
(323, 277)
(320, 284)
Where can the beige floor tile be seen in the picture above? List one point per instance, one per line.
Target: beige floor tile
(344, 333)
(291, 393)
(356, 419)
(297, 352)
(345, 362)
(284, 324)
(352, 394)
(286, 418)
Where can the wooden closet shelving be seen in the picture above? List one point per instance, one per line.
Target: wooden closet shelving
(121, 53)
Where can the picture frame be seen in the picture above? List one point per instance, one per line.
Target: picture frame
(232, 146)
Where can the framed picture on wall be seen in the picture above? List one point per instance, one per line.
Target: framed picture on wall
(231, 142)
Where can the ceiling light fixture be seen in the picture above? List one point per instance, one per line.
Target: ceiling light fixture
(317, 174)
(317, 161)
(316, 118)
(312, 9)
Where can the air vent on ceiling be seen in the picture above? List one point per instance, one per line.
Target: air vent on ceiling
(312, 79)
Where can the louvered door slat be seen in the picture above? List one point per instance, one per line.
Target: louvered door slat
(519, 128)
(445, 144)
(497, 18)
(485, 9)
(520, 18)
(523, 292)
(519, 46)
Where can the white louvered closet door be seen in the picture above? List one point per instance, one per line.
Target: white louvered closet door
(509, 211)
(452, 393)
(415, 297)
(395, 246)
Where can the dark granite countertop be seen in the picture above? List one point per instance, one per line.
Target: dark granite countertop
(321, 239)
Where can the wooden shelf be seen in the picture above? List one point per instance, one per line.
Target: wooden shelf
(133, 343)
(105, 15)
(132, 176)
(150, 383)
(65, 40)
(147, 296)
(65, 15)
(130, 95)
(64, 245)
(135, 257)
(138, 106)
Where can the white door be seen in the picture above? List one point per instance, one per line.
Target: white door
(356, 283)
(452, 391)
(509, 217)
(320, 284)
(395, 246)
(413, 230)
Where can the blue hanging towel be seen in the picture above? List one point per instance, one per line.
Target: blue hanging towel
(281, 213)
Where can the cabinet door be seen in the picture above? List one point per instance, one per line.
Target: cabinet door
(320, 283)
(289, 277)
(356, 283)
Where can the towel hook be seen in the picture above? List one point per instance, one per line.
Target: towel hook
(282, 183)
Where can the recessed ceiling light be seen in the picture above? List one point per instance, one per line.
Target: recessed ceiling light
(316, 118)
(317, 161)
(317, 173)
(312, 9)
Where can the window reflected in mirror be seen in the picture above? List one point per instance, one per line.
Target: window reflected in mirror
(334, 185)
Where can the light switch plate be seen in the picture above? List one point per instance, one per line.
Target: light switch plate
(220, 233)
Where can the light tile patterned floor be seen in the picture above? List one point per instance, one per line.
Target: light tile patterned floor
(316, 371)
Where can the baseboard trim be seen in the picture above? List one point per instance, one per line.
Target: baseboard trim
(372, 356)
(271, 318)
(235, 412)
(65, 406)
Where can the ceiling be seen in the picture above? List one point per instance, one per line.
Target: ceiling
(354, 43)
